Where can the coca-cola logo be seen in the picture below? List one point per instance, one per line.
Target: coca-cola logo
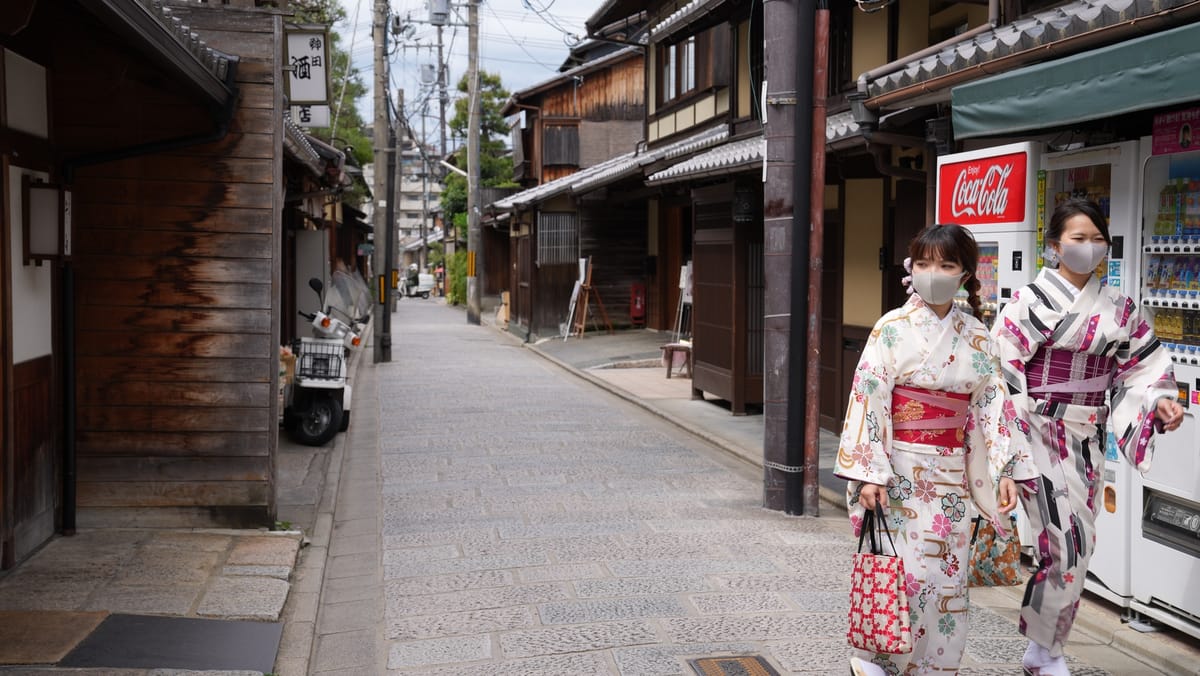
(990, 190)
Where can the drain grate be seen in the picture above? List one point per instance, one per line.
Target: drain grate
(737, 665)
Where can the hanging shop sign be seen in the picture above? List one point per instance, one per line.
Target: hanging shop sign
(308, 65)
(309, 116)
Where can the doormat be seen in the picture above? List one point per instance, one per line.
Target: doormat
(43, 637)
(150, 642)
(739, 665)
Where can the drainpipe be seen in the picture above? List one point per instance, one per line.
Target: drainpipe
(70, 404)
(798, 350)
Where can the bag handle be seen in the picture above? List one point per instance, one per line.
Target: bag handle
(872, 520)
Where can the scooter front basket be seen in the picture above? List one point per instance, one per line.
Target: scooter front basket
(320, 359)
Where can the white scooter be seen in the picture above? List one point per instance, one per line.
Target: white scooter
(319, 398)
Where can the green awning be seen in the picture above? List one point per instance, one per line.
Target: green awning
(1151, 71)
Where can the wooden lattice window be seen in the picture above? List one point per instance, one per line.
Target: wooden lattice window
(557, 238)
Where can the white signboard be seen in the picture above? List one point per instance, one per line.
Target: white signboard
(311, 116)
(308, 58)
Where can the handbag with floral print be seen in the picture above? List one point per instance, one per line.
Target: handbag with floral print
(995, 559)
(879, 616)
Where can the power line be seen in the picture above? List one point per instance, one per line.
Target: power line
(517, 42)
(337, 110)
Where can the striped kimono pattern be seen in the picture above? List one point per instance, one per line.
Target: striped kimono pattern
(1090, 342)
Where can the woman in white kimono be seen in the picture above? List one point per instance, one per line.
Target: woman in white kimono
(1065, 341)
(930, 433)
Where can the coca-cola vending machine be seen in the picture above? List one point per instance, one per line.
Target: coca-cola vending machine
(993, 192)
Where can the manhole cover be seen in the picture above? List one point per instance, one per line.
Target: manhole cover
(742, 665)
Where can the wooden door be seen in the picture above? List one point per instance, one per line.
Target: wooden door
(907, 219)
(833, 399)
(675, 246)
(523, 303)
(35, 464)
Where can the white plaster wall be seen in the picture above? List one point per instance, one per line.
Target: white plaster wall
(312, 260)
(33, 302)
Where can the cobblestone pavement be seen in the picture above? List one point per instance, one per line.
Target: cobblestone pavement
(533, 524)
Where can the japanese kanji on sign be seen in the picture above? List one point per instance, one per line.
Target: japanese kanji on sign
(308, 58)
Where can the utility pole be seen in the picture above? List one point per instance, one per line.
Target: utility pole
(475, 261)
(443, 97)
(380, 142)
(443, 101)
(400, 133)
(425, 168)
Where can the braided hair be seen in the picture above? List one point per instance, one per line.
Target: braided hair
(951, 242)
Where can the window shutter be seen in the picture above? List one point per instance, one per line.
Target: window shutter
(561, 146)
(717, 42)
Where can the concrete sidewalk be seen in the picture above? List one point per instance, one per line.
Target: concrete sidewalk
(625, 364)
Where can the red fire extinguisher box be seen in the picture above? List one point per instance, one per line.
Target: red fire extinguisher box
(637, 304)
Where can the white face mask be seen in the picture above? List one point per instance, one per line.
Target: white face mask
(936, 288)
(1082, 258)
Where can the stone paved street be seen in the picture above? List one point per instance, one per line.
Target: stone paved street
(532, 523)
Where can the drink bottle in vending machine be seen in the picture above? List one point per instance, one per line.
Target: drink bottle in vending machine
(1106, 175)
(1165, 549)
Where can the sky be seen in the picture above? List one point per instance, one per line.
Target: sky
(519, 43)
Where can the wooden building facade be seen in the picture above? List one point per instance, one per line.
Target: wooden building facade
(703, 67)
(140, 370)
(569, 128)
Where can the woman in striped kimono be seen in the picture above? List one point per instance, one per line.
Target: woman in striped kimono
(930, 433)
(1065, 341)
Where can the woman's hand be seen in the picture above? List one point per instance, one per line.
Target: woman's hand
(1169, 413)
(1008, 495)
(871, 495)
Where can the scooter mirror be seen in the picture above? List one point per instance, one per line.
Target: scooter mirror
(316, 285)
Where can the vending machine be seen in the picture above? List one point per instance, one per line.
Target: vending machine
(1107, 175)
(992, 192)
(1165, 551)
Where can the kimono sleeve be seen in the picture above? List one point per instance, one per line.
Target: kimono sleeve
(1143, 375)
(866, 444)
(1015, 346)
(994, 429)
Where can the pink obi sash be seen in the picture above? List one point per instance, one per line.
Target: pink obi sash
(1069, 377)
(933, 417)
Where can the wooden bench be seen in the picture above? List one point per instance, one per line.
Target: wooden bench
(669, 352)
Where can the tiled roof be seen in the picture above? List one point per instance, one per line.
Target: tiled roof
(1028, 33)
(558, 186)
(619, 167)
(718, 160)
(671, 151)
(215, 62)
(296, 144)
(680, 17)
(840, 126)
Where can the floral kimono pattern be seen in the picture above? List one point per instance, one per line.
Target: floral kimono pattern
(932, 485)
(1051, 333)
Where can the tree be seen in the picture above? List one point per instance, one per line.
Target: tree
(495, 162)
(348, 87)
